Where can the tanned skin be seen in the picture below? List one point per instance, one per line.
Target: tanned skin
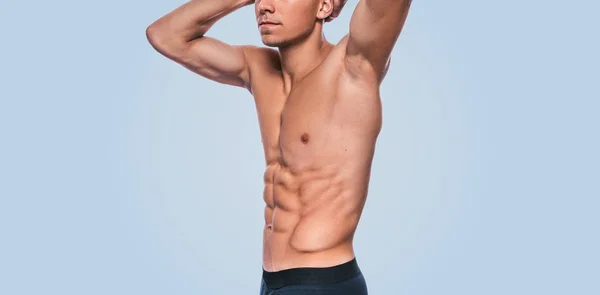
(318, 105)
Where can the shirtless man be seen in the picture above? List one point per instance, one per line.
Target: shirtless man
(319, 113)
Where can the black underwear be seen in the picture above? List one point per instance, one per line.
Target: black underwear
(311, 275)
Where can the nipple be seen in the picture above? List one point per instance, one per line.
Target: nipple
(304, 138)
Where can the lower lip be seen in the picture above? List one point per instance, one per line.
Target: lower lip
(267, 25)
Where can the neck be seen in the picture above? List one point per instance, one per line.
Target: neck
(300, 58)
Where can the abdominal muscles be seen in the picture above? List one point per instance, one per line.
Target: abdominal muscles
(308, 212)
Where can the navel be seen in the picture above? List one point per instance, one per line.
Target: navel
(304, 138)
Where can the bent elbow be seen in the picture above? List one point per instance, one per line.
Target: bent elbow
(155, 36)
(162, 41)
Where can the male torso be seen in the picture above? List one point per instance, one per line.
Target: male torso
(319, 138)
(318, 107)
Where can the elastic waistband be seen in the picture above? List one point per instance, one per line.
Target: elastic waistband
(311, 275)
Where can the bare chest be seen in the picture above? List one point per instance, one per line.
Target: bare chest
(297, 126)
(309, 126)
(317, 122)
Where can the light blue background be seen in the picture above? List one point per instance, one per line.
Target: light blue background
(124, 173)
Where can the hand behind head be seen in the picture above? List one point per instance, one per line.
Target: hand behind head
(337, 8)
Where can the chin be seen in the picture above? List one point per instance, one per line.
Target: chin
(272, 42)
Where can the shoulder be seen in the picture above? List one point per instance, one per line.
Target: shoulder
(261, 58)
(264, 66)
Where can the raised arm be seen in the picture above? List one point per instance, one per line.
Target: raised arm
(374, 28)
(179, 36)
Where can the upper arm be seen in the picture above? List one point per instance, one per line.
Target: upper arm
(210, 58)
(374, 28)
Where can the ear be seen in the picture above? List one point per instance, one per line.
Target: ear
(325, 9)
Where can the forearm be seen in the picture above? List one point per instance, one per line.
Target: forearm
(193, 19)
